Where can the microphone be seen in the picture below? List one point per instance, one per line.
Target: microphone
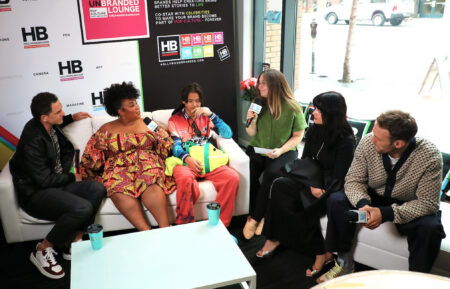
(355, 216)
(256, 108)
(151, 124)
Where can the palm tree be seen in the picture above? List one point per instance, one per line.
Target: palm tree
(346, 75)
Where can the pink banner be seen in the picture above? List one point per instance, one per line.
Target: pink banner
(113, 20)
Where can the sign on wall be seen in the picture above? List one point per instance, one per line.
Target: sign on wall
(43, 51)
(191, 41)
(113, 20)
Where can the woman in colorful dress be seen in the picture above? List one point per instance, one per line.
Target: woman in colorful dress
(128, 158)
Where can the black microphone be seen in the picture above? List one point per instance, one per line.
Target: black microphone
(153, 126)
(256, 108)
(355, 216)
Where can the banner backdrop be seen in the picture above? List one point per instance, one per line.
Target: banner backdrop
(190, 41)
(112, 20)
(41, 50)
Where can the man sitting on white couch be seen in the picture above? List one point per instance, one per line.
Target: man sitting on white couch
(45, 187)
(394, 177)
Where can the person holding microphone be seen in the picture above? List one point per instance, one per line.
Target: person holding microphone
(279, 127)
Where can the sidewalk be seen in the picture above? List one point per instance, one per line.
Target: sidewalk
(366, 99)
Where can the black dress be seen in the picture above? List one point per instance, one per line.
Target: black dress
(286, 219)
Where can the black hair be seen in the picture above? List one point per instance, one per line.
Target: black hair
(334, 115)
(115, 94)
(42, 104)
(188, 88)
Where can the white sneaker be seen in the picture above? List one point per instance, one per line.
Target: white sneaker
(46, 262)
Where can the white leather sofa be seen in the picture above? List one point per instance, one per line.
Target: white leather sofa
(18, 226)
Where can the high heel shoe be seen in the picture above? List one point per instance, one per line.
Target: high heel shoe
(249, 229)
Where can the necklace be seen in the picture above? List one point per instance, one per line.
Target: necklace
(317, 155)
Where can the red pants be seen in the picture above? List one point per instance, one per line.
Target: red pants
(225, 181)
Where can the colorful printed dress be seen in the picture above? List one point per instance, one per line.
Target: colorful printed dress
(130, 163)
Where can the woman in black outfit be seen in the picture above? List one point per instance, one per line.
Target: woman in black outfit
(331, 142)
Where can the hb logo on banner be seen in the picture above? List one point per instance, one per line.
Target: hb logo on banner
(169, 48)
(35, 37)
(97, 106)
(73, 68)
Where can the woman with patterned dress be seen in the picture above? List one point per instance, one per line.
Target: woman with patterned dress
(128, 159)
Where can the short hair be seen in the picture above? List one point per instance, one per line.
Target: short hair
(115, 94)
(41, 104)
(401, 125)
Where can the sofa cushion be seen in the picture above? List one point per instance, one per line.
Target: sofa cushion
(79, 133)
(162, 116)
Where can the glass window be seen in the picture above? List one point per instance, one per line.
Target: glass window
(396, 60)
(272, 47)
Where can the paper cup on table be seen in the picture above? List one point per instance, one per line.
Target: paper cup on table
(213, 213)
(95, 232)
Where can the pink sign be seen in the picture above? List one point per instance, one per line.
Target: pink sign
(112, 20)
(197, 39)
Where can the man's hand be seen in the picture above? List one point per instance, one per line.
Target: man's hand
(194, 164)
(317, 192)
(374, 217)
(78, 178)
(275, 153)
(80, 115)
(199, 111)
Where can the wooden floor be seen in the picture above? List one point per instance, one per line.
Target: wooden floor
(284, 270)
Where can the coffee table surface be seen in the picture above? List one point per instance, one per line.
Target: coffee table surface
(194, 255)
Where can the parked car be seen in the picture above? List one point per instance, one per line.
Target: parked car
(377, 11)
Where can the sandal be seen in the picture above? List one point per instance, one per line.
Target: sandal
(266, 254)
(260, 227)
(249, 229)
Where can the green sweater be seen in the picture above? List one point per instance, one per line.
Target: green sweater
(274, 133)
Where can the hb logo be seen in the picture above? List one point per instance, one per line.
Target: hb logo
(72, 66)
(169, 47)
(95, 98)
(4, 2)
(38, 33)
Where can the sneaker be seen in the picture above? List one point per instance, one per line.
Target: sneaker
(46, 262)
(67, 252)
(336, 271)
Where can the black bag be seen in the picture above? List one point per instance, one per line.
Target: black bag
(308, 172)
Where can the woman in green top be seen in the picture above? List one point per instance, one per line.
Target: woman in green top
(279, 127)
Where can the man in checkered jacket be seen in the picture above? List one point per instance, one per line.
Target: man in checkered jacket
(394, 177)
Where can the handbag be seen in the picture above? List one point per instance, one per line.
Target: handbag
(210, 157)
(308, 172)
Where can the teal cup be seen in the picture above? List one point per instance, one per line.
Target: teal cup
(95, 232)
(213, 213)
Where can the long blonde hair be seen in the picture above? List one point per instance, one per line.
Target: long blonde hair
(278, 89)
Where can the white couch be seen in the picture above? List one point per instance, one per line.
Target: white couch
(18, 226)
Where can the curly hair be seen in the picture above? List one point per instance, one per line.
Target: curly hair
(115, 94)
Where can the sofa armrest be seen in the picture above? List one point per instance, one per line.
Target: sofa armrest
(9, 208)
(241, 163)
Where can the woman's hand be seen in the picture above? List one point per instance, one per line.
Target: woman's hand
(163, 133)
(194, 164)
(100, 142)
(251, 114)
(199, 111)
(317, 192)
(275, 153)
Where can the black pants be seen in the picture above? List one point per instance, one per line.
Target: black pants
(72, 207)
(272, 168)
(288, 222)
(424, 234)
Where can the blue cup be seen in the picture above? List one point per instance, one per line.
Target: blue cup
(95, 232)
(213, 213)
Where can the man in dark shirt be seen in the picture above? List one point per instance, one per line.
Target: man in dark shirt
(45, 187)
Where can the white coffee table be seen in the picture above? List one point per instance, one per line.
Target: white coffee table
(195, 255)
